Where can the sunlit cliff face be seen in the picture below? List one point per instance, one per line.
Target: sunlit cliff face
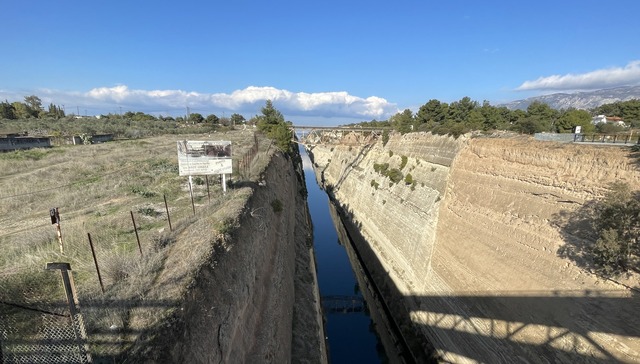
(476, 245)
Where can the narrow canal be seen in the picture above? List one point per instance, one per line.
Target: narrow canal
(351, 336)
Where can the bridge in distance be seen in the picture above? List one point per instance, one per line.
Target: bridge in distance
(313, 135)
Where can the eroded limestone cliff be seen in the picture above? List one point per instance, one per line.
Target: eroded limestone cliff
(485, 245)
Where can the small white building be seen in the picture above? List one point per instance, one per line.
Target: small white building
(600, 119)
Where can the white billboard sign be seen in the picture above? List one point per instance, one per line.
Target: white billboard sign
(197, 158)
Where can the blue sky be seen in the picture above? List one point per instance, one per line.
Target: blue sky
(319, 61)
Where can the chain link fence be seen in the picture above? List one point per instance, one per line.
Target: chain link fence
(40, 326)
(552, 137)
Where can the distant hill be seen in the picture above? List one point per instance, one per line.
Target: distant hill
(580, 100)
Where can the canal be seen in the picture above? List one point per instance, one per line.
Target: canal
(350, 332)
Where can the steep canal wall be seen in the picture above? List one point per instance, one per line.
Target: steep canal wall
(481, 241)
(254, 297)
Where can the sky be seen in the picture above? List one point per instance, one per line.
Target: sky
(320, 62)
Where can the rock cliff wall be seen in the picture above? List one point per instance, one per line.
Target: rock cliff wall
(479, 244)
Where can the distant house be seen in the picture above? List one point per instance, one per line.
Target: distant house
(602, 119)
(10, 142)
(92, 139)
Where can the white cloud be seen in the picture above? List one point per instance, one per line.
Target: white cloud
(603, 78)
(245, 101)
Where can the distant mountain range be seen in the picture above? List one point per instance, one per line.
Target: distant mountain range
(580, 100)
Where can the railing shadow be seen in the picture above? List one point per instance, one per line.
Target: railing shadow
(574, 326)
(44, 331)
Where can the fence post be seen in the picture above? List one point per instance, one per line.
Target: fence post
(193, 205)
(166, 207)
(77, 321)
(95, 260)
(206, 177)
(135, 228)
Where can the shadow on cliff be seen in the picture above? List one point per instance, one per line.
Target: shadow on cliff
(578, 233)
(502, 327)
(349, 167)
(635, 155)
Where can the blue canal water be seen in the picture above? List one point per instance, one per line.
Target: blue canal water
(350, 335)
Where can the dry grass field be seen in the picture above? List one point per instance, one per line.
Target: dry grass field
(96, 187)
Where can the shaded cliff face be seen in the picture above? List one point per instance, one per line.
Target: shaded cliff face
(475, 243)
(254, 297)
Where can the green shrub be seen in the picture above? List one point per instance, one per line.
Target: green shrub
(385, 137)
(148, 211)
(618, 227)
(395, 175)
(228, 225)
(408, 179)
(140, 190)
(276, 205)
(198, 181)
(404, 161)
(381, 168)
(390, 153)
(374, 184)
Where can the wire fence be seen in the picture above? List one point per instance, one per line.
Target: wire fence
(37, 321)
(553, 137)
(607, 138)
(45, 331)
(622, 139)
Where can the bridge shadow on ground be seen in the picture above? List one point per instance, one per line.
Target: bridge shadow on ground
(508, 326)
(572, 327)
(47, 332)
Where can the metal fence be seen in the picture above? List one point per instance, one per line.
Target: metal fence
(28, 336)
(43, 327)
(605, 138)
(553, 137)
(588, 138)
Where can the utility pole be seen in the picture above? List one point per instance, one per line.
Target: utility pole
(78, 110)
(188, 114)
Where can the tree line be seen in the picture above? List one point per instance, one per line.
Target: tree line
(31, 108)
(453, 118)
(466, 115)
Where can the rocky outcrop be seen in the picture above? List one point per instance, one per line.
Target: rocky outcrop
(479, 243)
